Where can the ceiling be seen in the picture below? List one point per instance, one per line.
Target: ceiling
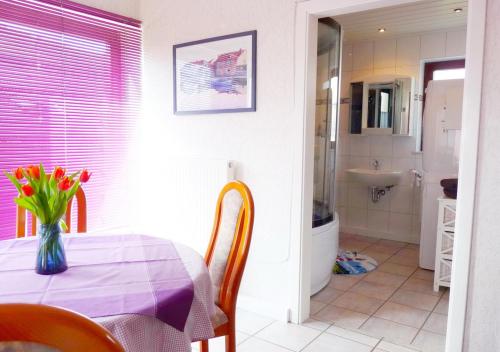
(422, 16)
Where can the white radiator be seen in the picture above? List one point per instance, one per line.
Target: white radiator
(190, 188)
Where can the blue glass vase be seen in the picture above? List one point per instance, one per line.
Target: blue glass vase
(51, 258)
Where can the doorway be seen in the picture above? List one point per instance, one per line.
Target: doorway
(307, 14)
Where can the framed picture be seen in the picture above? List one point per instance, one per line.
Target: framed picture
(216, 75)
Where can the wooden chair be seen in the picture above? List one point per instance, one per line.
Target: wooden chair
(54, 327)
(81, 203)
(227, 254)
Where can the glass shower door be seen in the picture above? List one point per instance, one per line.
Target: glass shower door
(327, 95)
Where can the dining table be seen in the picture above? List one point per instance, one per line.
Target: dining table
(151, 293)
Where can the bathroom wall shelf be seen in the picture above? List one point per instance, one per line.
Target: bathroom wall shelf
(444, 242)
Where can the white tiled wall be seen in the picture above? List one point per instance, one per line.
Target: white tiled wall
(397, 215)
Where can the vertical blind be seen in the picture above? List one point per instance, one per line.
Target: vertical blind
(69, 96)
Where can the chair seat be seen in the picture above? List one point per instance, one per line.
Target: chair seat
(220, 318)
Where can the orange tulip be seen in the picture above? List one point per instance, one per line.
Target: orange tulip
(58, 173)
(27, 190)
(85, 176)
(64, 184)
(18, 173)
(33, 171)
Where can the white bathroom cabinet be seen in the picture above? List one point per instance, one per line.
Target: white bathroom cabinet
(444, 242)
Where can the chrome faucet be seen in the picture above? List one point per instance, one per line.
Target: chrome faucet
(376, 164)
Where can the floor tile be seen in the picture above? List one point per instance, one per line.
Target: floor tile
(333, 343)
(415, 299)
(421, 286)
(397, 269)
(372, 289)
(254, 344)
(327, 295)
(442, 306)
(366, 238)
(391, 331)
(316, 324)
(291, 336)
(436, 323)
(354, 245)
(341, 317)
(402, 314)
(423, 274)
(391, 347)
(352, 335)
(344, 282)
(358, 303)
(378, 256)
(250, 323)
(219, 344)
(404, 260)
(377, 247)
(430, 342)
(390, 243)
(409, 252)
(316, 306)
(385, 278)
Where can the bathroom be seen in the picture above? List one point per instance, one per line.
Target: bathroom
(391, 219)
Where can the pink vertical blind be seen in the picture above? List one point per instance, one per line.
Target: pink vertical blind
(69, 96)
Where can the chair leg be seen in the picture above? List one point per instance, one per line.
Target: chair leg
(231, 342)
(204, 346)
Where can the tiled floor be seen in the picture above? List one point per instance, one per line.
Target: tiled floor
(392, 309)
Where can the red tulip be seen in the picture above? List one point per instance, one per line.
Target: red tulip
(64, 184)
(33, 171)
(58, 173)
(85, 176)
(18, 173)
(27, 190)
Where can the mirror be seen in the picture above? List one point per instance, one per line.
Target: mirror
(382, 105)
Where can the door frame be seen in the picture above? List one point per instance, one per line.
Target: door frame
(307, 14)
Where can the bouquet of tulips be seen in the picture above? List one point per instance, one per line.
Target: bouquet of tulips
(46, 196)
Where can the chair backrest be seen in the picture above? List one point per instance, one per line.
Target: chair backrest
(228, 248)
(81, 203)
(54, 327)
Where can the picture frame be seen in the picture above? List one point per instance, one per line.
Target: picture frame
(216, 75)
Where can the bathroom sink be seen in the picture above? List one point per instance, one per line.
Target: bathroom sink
(375, 178)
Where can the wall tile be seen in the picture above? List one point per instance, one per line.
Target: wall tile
(383, 204)
(341, 193)
(381, 146)
(383, 162)
(384, 53)
(403, 147)
(359, 145)
(433, 45)
(400, 224)
(401, 199)
(359, 162)
(347, 57)
(413, 71)
(359, 75)
(384, 71)
(362, 56)
(345, 87)
(378, 220)
(404, 165)
(344, 119)
(357, 196)
(408, 51)
(455, 43)
(356, 217)
(342, 163)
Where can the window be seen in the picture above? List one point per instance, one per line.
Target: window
(454, 73)
(69, 96)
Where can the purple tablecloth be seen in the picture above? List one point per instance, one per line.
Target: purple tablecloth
(108, 275)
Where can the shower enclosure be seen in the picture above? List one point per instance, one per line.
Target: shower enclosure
(327, 90)
(325, 232)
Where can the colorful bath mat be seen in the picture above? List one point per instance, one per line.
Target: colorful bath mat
(353, 263)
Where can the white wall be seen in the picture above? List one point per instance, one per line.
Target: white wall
(397, 215)
(482, 331)
(260, 142)
(128, 8)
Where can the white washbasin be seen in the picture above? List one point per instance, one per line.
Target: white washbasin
(375, 178)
